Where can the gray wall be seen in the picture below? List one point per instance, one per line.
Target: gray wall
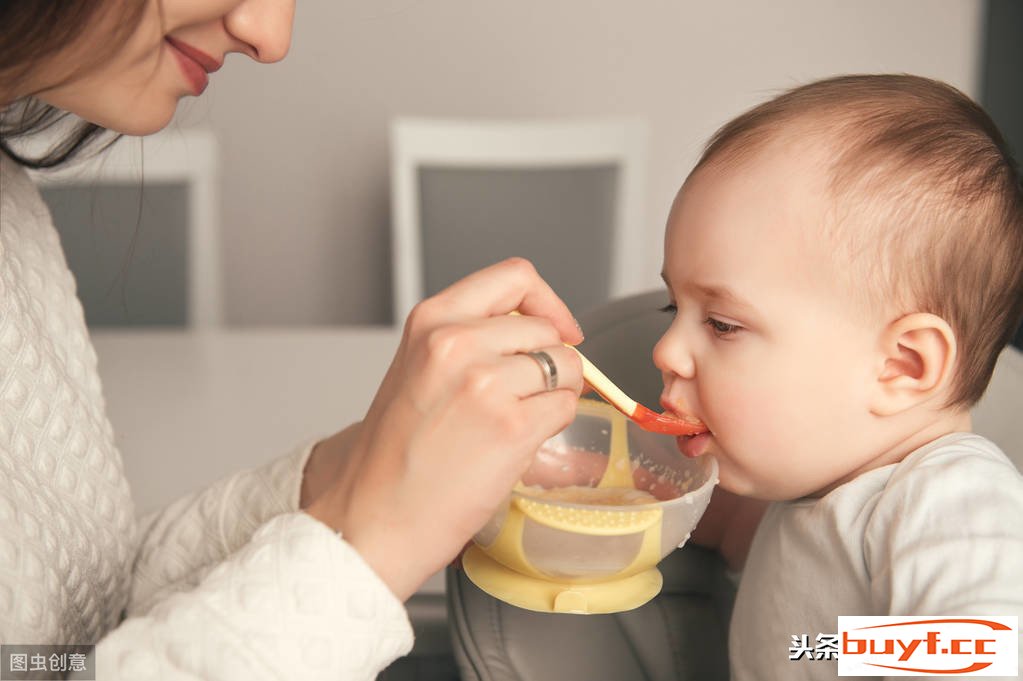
(304, 142)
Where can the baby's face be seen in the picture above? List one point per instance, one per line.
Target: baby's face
(766, 346)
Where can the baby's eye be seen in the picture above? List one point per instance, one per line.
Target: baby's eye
(670, 308)
(721, 329)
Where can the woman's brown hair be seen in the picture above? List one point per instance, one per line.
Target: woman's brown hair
(33, 32)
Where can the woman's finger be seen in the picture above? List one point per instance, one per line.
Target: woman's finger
(550, 412)
(512, 284)
(504, 334)
(525, 376)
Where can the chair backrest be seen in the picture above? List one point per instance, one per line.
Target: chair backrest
(147, 209)
(997, 416)
(565, 194)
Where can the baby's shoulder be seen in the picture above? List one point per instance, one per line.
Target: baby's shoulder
(945, 533)
(957, 460)
(961, 479)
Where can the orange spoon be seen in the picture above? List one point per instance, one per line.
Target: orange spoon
(645, 418)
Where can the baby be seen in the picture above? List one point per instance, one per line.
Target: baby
(845, 264)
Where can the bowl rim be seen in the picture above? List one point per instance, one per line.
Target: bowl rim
(711, 481)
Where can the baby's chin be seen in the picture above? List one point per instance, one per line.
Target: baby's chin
(730, 481)
(745, 485)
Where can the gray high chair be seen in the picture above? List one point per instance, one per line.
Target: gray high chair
(682, 633)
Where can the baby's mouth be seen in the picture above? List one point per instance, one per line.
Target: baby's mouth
(691, 445)
(678, 411)
(694, 445)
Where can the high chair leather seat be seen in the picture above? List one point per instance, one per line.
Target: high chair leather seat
(682, 633)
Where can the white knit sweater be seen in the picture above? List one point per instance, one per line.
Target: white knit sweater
(232, 582)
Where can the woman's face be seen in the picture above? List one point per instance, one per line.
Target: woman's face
(172, 53)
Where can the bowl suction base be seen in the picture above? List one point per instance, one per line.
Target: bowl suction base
(541, 595)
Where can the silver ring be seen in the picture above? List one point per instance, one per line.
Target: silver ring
(548, 367)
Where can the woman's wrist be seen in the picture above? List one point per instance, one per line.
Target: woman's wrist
(387, 554)
(324, 464)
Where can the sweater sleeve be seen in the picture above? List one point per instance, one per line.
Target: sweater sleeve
(179, 544)
(294, 602)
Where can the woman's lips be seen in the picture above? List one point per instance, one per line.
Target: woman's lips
(195, 64)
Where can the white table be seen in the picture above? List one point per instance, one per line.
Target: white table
(188, 408)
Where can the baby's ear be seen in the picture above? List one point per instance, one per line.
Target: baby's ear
(918, 360)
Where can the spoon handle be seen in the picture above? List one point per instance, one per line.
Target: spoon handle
(606, 388)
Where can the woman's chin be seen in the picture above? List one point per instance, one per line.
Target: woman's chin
(141, 121)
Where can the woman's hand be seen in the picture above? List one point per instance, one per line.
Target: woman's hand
(455, 422)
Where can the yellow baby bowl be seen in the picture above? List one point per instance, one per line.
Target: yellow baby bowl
(603, 502)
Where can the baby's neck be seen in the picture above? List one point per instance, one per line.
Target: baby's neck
(947, 421)
(911, 439)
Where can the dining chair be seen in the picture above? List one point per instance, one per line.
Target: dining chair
(565, 194)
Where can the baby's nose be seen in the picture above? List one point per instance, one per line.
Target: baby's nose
(673, 358)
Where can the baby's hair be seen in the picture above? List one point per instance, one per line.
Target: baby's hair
(927, 203)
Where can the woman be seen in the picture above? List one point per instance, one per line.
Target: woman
(235, 581)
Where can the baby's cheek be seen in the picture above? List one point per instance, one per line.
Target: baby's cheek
(745, 408)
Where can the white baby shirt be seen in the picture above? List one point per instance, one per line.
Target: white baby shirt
(939, 533)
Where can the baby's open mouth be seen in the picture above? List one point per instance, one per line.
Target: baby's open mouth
(694, 445)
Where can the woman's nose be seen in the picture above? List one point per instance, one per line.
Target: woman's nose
(264, 26)
(673, 356)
